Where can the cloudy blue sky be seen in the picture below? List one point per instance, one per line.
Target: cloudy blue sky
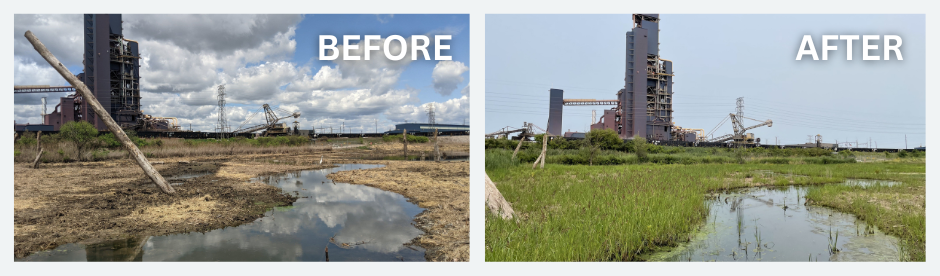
(264, 59)
(717, 58)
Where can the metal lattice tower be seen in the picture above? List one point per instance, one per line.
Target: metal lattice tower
(223, 125)
(740, 108)
(430, 109)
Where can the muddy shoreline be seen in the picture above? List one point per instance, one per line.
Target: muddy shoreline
(90, 202)
(442, 188)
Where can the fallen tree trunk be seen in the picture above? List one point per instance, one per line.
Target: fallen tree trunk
(495, 201)
(92, 101)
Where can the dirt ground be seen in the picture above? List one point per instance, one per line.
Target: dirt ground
(90, 202)
(442, 188)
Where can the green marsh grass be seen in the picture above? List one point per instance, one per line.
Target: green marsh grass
(622, 212)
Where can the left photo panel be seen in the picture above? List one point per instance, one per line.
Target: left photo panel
(150, 137)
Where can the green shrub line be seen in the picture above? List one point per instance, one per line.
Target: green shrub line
(411, 138)
(613, 151)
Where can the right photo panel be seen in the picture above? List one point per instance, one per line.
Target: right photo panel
(705, 138)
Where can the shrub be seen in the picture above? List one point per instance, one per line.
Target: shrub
(108, 140)
(639, 146)
(411, 138)
(82, 134)
(28, 139)
(606, 139)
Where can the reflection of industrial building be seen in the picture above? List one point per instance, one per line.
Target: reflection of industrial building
(112, 72)
(644, 105)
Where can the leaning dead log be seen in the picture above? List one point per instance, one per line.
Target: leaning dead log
(92, 101)
(495, 201)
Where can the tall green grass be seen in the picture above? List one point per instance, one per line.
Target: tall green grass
(618, 213)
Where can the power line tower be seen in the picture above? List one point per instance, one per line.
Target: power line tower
(430, 110)
(223, 125)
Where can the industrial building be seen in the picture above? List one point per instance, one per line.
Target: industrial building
(425, 129)
(644, 105)
(112, 72)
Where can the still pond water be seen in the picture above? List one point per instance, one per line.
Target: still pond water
(773, 224)
(356, 222)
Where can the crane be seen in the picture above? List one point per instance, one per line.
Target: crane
(739, 136)
(526, 130)
(270, 117)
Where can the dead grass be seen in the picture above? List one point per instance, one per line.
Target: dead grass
(169, 148)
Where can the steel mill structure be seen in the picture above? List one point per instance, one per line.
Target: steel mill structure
(112, 72)
(643, 107)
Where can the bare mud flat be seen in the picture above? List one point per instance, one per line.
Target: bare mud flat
(94, 202)
(352, 222)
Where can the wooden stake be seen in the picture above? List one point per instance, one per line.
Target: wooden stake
(544, 149)
(537, 160)
(39, 147)
(514, 153)
(92, 101)
(404, 137)
(437, 150)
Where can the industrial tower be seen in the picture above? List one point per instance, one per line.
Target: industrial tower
(111, 72)
(644, 105)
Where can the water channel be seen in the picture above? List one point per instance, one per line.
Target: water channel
(774, 224)
(356, 223)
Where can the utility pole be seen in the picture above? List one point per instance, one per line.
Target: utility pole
(430, 109)
(905, 141)
(223, 124)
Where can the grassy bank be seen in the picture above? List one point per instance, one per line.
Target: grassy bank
(616, 213)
